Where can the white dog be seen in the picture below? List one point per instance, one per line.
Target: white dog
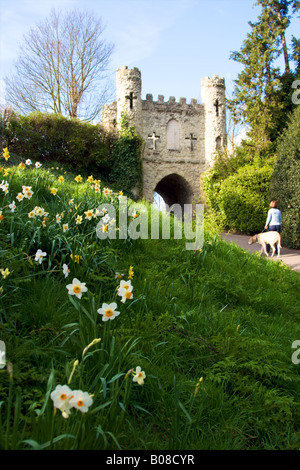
(267, 238)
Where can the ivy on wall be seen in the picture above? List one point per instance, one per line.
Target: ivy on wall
(126, 171)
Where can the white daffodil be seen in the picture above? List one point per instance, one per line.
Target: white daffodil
(139, 376)
(38, 165)
(20, 197)
(12, 206)
(65, 227)
(61, 397)
(39, 256)
(108, 311)
(81, 400)
(125, 290)
(2, 359)
(28, 194)
(89, 214)
(66, 270)
(76, 288)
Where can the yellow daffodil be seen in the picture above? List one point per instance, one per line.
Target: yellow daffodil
(130, 272)
(5, 272)
(6, 153)
(75, 258)
(78, 179)
(78, 219)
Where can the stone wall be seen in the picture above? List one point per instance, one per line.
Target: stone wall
(180, 138)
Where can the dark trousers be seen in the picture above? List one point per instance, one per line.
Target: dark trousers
(273, 228)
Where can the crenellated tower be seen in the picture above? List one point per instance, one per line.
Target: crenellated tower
(129, 87)
(213, 100)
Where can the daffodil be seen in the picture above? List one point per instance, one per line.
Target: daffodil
(90, 179)
(125, 290)
(65, 227)
(12, 206)
(139, 376)
(78, 219)
(28, 194)
(66, 270)
(20, 197)
(38, 165)
(78, 179)
(130, 272)
(76, 288)
(89, 214)
(107, 192)
(21, 166)
(39, 256)
(28, 161)
(5, 272)
(2, 359)
(31, 214)
(75, 258)
(108, 311)
(61, 397)
(61, 179)
(6, 153)
(81, 400)
(53, 191)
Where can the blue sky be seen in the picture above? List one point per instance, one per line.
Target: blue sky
(174, 43)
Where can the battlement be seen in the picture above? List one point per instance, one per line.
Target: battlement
(172, 100)
(215, 81)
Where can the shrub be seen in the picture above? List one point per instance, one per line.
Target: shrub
(241, 200)
(51, 137)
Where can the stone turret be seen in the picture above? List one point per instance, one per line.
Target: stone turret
(213, 100)
(129, 86)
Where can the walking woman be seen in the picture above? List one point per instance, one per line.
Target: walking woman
(273, 222)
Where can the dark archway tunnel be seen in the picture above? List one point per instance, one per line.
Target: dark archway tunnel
(174, 189)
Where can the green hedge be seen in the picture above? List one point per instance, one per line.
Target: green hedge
(285, 183)
(241, 200)
(244, 198)
(86, 147)
(51, 137)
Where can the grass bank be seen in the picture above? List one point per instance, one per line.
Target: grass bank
(211, 329)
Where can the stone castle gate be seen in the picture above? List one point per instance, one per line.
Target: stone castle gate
(180, 139)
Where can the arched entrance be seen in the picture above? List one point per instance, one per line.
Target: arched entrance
(174, 189)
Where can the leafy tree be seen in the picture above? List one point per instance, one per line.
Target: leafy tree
(260, 92)
(61, 64)
(285, 183)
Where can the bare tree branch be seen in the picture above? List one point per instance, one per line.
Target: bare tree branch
(62, 67)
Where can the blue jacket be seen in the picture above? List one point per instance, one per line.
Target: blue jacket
(274, 217)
